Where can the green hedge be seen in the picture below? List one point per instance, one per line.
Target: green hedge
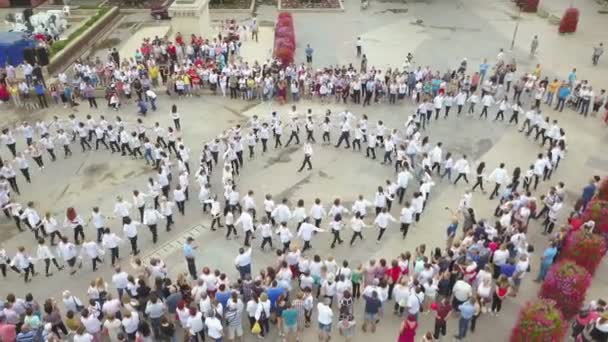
(61, 44)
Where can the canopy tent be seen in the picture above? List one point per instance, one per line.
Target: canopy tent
(12, 45)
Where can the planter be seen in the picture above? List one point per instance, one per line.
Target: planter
(569, 20)
(566, 283)
(539, 321)
(585, 248)
(597, 211)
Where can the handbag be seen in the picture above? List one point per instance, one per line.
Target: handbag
(256, 329)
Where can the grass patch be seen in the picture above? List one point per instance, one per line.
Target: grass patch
(60, 45)
(230, 4)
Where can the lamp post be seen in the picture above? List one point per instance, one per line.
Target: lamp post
(516, 28)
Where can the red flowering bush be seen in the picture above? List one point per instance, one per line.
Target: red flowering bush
(539, 321)
(566, 283)
(584, 248)
(597, 211)
(602, 191)
(284, 39)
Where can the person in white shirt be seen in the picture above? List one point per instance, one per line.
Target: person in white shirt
(500, 176)
(281, 213)
(68, 253)
(285, 235)
(357, 225)
(121, 208)
(473, 100)
(111, 241)
(150, 218)
(130, 323)
(246, 222)
(539, 169)
(44, 253)
(325, 317)
(166, 208)
(462, 167)
(487, 100)
(307, 156)
(92, 251)
(130, 230)
(306, 231)
(382, 221)
(317, 212)
(551, 218)
(243, 262)
(406, 218)
(502, 107)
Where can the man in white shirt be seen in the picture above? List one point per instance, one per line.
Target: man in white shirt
(246, 221)
(243, 262)
(121, 209)
(305, 233)
(486, 101)
(120, 280)
(325, 318)
(500, 177)
(382, 221)
(307, 156)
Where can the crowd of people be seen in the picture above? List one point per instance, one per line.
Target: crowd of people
(483, 261)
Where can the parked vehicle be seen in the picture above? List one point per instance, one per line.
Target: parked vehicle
(160, 10)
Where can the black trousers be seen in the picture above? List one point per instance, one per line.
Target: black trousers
(326, 137)
(52, 153)
(345, 136)
(191, 267)
(380, 233)
(357, 144)
(404, 228)
(354, 237)
(133, 241)
(310, 137)
(264, 146)
(495, 191)
(305, 162)
(294, 134)
(83, 143)
(154, 231)
(78, 231)
(47, 265)
(372, 151)
(277, 141)
(266, 240)
(114, 254)
(479, 183)
(461, 175)
(337, 238)
(169, 219)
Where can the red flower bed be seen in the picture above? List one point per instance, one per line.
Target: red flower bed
(566, 283)
(284, 39)
(602, 192)
(585, 248)
(597, 211)
(310, 4)
(539, 321)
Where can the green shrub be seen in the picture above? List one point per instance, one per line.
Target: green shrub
(61, 44)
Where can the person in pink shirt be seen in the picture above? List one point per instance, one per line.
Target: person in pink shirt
(7, 331)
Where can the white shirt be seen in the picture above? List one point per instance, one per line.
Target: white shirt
(324, 314)
(383, 219)
(243, 259)
(499, 175)
(306, 230)
(131, 229)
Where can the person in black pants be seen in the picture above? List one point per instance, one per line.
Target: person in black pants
(307, 156)
(479, 173)
(344, 136)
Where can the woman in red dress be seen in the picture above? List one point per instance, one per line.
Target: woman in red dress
(408, 329)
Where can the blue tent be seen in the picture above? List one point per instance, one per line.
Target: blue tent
(12, 45)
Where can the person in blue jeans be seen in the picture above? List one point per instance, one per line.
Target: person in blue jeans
(546, 261)
(467, 310)
(562, 95)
